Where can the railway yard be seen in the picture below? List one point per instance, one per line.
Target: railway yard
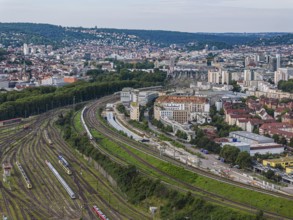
(51, 180)
(45, 197)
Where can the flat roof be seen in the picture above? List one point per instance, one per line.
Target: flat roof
(252, 136)
(280, 160)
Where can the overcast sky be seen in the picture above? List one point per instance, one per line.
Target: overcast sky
(179, 15)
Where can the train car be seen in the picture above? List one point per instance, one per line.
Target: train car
(26, 179)
(47, 138)
(84, 124)
(61, 180)
(65, 168)
(62, 159)
(99, 213)
(10, 121)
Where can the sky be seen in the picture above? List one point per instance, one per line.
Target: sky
(177, 15)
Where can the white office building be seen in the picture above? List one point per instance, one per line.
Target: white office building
(126, 96)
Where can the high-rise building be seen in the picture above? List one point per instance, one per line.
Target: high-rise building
(278, 57)
(267, 58)
(213, 77)
(25, 49)
(172, 64)
(273, 64)
(249, 75)
(247, 61)
(283, 74)
(226, 77)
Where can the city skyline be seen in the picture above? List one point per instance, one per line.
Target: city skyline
(175, 15)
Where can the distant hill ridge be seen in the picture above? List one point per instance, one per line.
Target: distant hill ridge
(58, 35)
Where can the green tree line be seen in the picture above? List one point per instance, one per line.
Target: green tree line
(38, 100)
(32, 101)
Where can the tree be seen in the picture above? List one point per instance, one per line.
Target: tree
(270, 112)
(244, 160)
(269, 174)
(260, 215)
(256, 130)
(229, 153)
(236, 87)
(181, 135)
(283, 141)
(276, 138)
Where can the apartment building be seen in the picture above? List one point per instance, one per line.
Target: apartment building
(181, 108)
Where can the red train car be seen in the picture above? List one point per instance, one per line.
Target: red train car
(99, 213)
(10, 121)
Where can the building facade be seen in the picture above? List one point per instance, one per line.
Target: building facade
(181, 108)
(134, 111)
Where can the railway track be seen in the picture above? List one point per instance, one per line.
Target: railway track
(30, 204)
(58, 141)
(154, 152)
(121, 141)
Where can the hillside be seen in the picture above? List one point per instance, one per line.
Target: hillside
(18, 33)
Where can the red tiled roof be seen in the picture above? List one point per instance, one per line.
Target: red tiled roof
(276, 125)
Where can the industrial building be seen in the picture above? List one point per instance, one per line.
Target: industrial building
(265, 148)
(250, 138)
(283, 161)
(128, 95)
(253, 143)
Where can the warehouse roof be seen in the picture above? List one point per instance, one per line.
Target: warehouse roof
(252, 136)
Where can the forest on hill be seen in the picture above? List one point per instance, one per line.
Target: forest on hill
(18, 33)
